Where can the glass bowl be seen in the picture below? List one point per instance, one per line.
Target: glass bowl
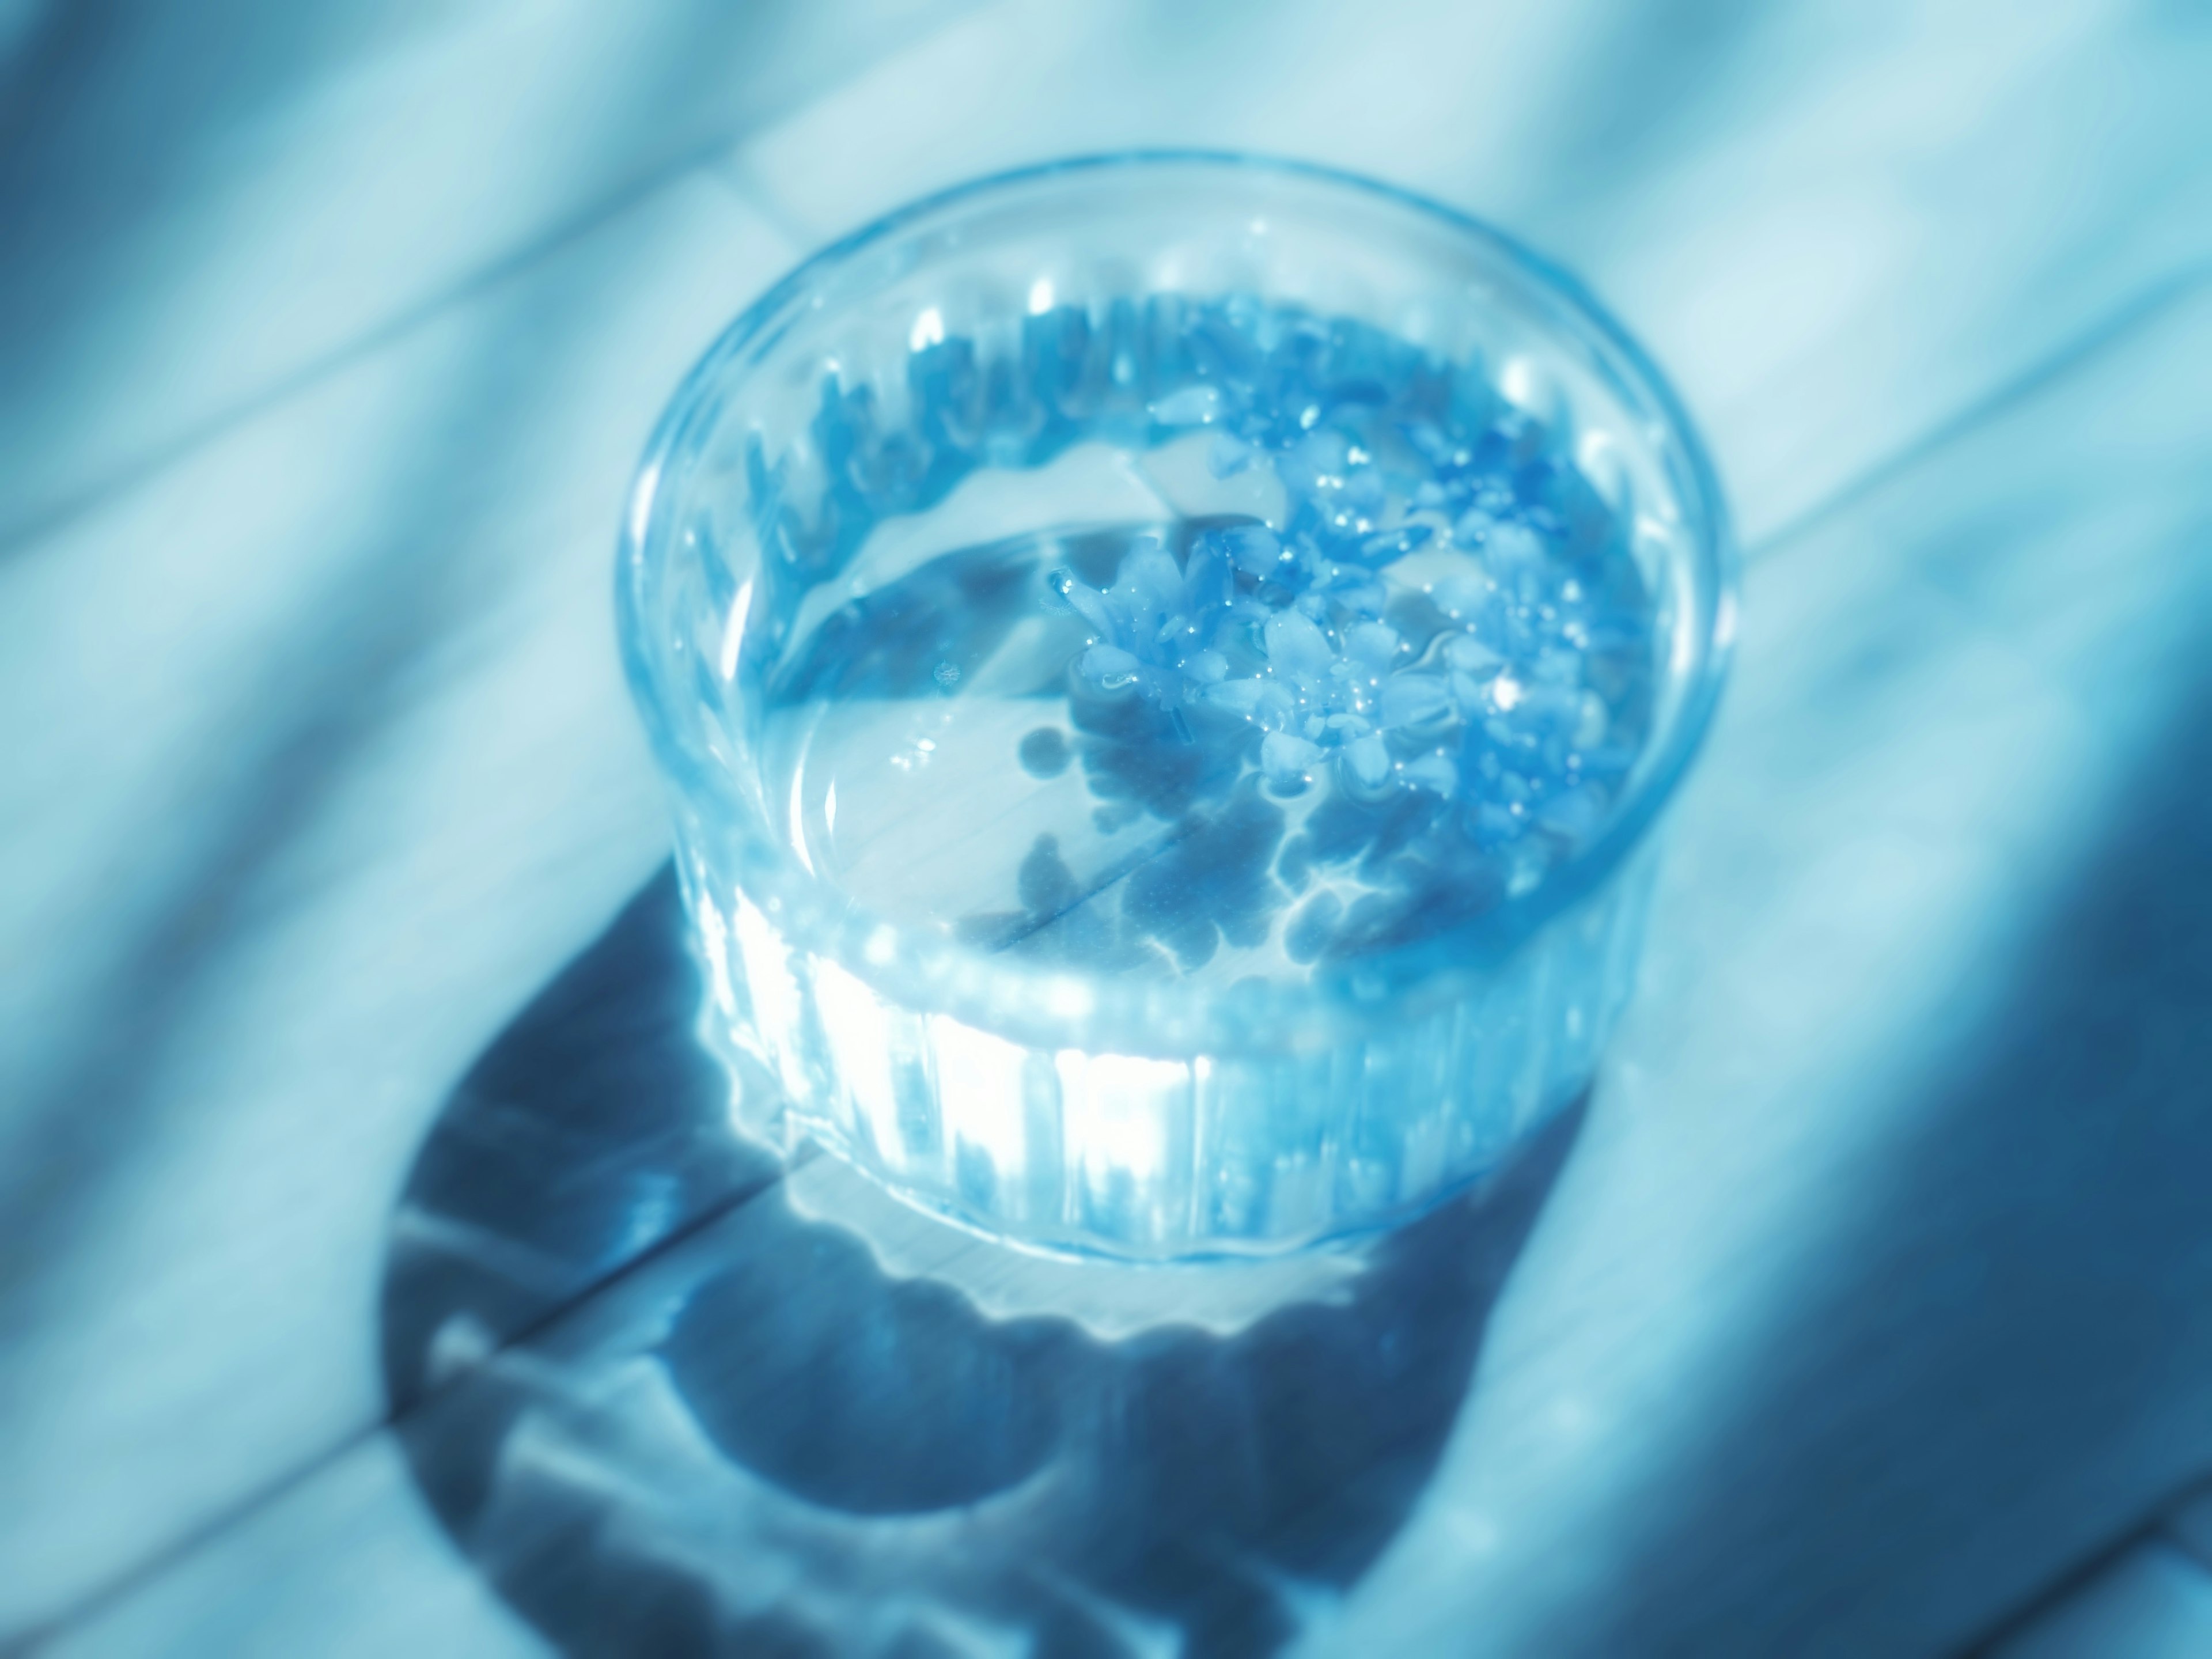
(901, 482)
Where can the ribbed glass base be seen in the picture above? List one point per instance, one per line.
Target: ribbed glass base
(1126, 1155)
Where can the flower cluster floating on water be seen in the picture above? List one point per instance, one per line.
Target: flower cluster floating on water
(1403, 678)
(1442, 623)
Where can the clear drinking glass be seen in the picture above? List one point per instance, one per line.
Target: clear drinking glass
(1061, 983)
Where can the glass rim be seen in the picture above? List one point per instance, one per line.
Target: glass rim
(930, 971)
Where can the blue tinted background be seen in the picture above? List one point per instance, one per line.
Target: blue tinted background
(1865, 1312)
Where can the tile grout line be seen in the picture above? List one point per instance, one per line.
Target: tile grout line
(2145, 307)
(30, 1638)
(737, 177)
(710, 157)
(135, 473)
(2197, 1497)
(2152, 1525)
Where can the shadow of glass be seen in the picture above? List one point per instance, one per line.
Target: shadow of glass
(673, 1397)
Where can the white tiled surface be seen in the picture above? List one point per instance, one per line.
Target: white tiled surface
(1837, 224)
(204, 205)
(341, 762)
(319, 763)
(350, 1566)
(1837, 1336)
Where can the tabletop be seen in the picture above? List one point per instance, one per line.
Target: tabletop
(379, 1271)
